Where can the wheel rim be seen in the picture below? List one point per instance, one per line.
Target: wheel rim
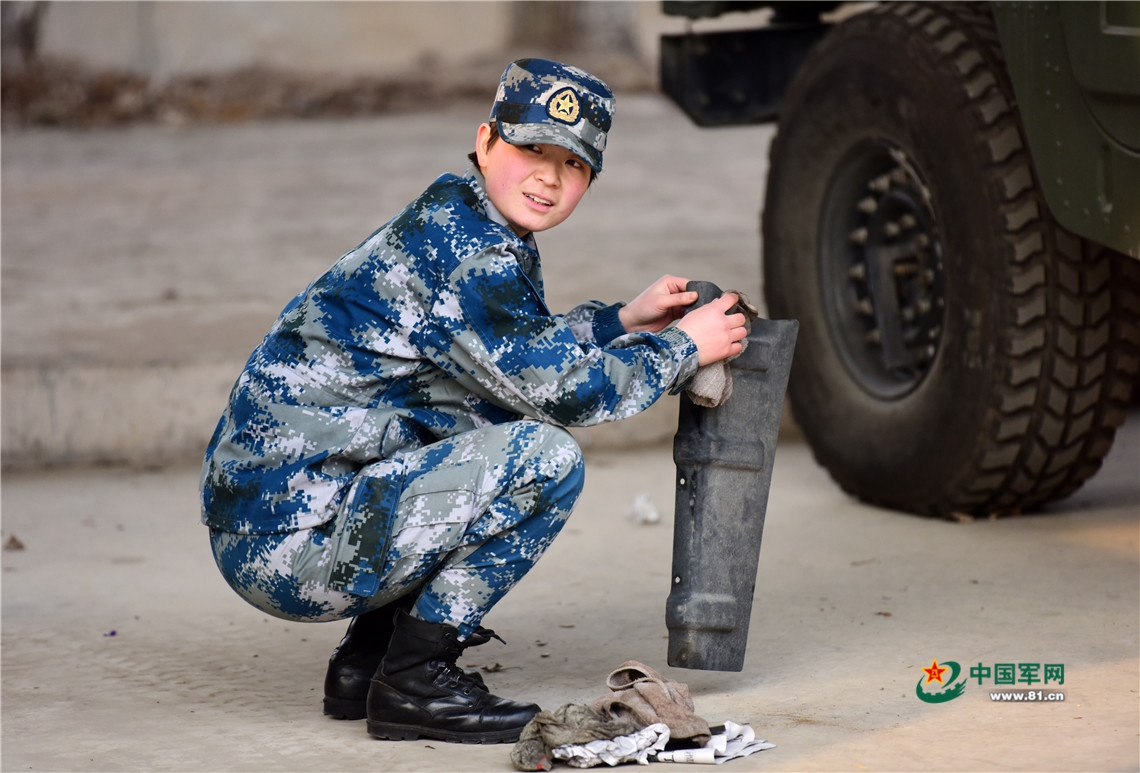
(881, 270)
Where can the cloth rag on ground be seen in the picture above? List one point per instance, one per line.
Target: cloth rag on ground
(712, 385)
(644, 718)
(642, 694)
(568, 725)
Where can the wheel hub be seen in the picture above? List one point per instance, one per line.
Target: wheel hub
(882, 270)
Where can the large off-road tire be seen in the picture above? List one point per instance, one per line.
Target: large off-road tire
(959, 352)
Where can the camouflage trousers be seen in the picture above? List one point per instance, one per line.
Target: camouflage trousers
(457, 523)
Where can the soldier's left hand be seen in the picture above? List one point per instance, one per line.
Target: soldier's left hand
(662, 302)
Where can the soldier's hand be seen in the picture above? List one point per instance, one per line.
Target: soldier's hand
(716, 333)
(658, 305)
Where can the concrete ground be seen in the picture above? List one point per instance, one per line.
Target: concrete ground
(141, 266)
(123, 650)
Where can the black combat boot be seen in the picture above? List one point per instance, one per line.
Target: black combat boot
(356, 659)
(419, 691)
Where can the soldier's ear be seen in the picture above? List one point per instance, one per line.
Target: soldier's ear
(482, 144)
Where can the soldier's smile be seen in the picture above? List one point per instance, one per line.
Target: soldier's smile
(545, 203)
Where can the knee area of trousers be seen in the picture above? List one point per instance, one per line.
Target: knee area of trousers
(558, 446)
(571, 476)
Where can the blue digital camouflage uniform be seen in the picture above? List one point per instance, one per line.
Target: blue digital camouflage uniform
(400, 428)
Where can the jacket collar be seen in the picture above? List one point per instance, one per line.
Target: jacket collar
(478, 183)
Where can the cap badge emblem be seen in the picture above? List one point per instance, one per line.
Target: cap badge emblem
(563, 106)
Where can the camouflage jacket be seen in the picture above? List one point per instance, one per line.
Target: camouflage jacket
(435, 325)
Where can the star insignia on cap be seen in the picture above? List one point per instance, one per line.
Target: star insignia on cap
(563, 106)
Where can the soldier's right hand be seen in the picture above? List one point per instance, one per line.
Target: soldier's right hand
(716, 333)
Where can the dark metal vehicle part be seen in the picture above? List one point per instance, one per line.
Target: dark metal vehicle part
(724, 459)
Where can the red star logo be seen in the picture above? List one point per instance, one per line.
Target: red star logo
(934, 673)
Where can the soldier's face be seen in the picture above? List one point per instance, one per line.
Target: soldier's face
(535, 187)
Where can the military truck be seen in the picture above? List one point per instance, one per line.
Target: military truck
(952, 213)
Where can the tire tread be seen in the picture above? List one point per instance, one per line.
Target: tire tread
(1044, 448)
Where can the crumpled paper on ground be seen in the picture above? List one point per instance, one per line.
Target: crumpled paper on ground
(650, 745)
(727, 743)
(638, 747)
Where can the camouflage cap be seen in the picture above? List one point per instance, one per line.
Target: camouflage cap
(540, 101)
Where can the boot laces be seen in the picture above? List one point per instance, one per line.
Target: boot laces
(452, 677)
(480, 636)
(449, 674)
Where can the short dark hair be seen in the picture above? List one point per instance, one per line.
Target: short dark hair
(474, 157)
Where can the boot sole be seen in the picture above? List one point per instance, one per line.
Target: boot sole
(391, 732)
(339, 708)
